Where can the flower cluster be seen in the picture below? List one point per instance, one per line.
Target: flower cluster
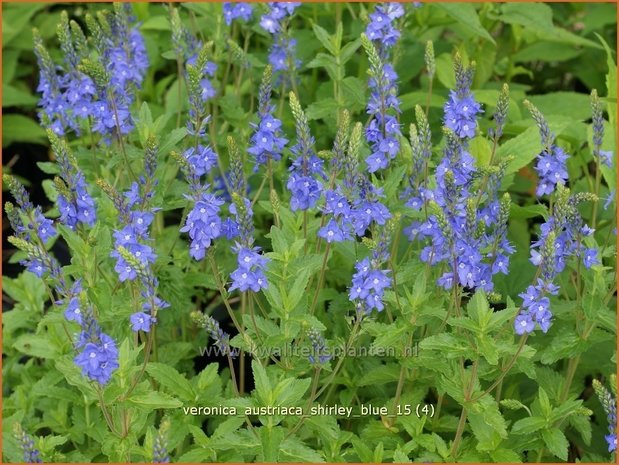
(470, 240)
(461, 109)
(267, 142)
(550, 165)
(221, 338)
(354, 204)
(609, 402)
(74, 202)
(31, 453)
(605, 157)
(417, 193)
(203, 223)
(160, 451)
(368, 287)
(302, 183)
(319, 353)
(466, 223)
(383, 131)
(281, 54)
(98, 358)
(249, 274)
(134, 256)
(81, 89)
(191, 51)
(237, 10)
(381, 29)
(560, 238)
(33, 234)
(369, 281)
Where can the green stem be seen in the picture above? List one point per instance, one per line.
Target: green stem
(323, 268)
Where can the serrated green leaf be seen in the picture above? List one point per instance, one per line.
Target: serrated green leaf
(528, 425)
(154, 400)
(168, 377)
(556, 442)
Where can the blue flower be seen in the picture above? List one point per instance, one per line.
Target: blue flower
(234, 10)
(551, 169)
(281, 53)
(140, 321)
(203, 224)
(97, 362)
(267, 142)
(524, 324)
(73, 311)
(45, 227)
(305, 191)
(383, 131)
(461, 113)
(591, 258)
(381, 27)
(332, 232)
(368, 286)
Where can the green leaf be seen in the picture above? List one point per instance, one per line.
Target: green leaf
(15, 20)
(20, 128)
(478, 308)
(297, 291)
(48, 167)
(348, 50)
(36, 346)
(14, 97)
(329, 63)
(445, 73)
(261, 382)
(487, 424)
(546, 51)
(50, 189)
(556, 442)
(530, 211)
(353, 91)
(293, 450)
(537, 17)
(74, 241)
(575, 105)
(173, 138)
(271, 440)
(154, 400)
(322, 109)
(325, 39)
(544, 403)
(466, 15)
(528, 425)
(170, 378)
(505, 456)
(481, 150)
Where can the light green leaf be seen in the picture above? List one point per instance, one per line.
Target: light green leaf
(271, 440)
(466, 15)
(325, 39)
(36, 346)
(261, 382)
(556, 442)
(155, 400)
(168, 377)
(528, 425)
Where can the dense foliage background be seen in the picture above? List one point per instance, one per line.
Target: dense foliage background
(544, 409)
